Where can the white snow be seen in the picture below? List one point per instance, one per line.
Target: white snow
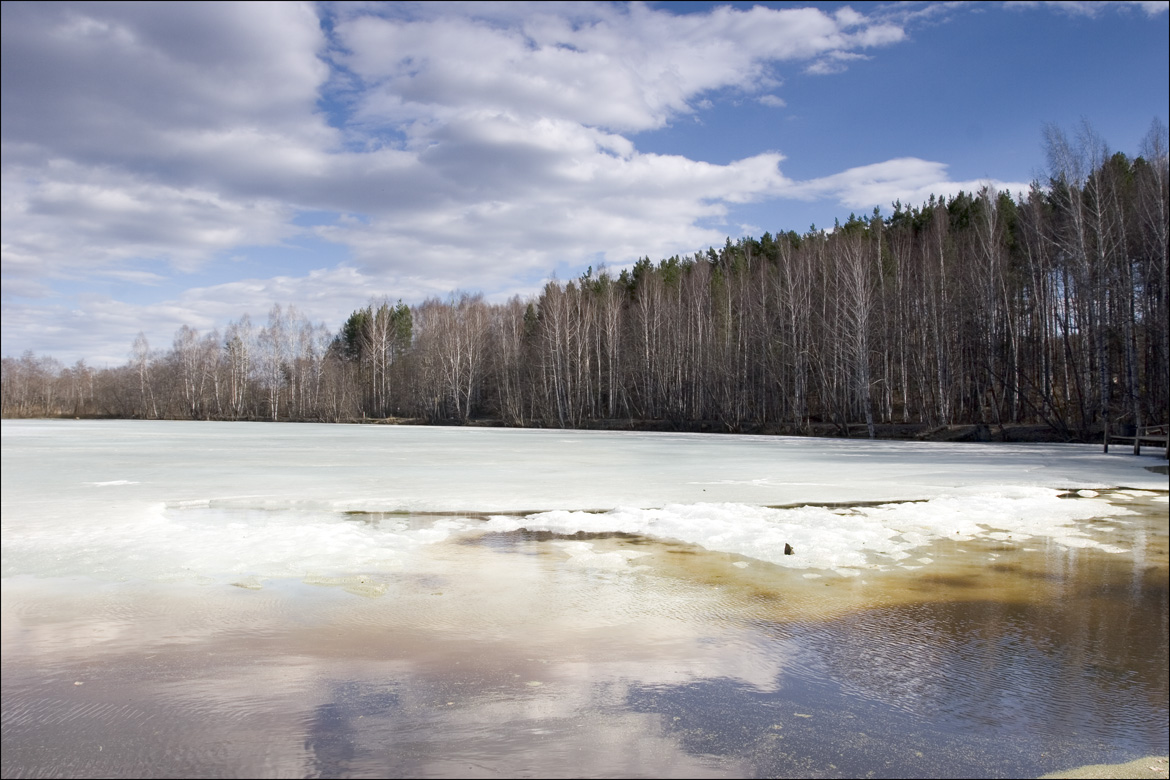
(826, 539)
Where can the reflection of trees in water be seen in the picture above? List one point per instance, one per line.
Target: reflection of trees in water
(977, 688)
(331, 740)
(339, 745)
(809, 726)
(1091, 665)
(938, 690)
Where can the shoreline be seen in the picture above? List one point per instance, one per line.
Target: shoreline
(1140, 769)
(1013, 433)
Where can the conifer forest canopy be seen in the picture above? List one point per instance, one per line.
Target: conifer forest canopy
(1046, 308)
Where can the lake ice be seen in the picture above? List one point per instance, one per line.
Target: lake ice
(165, 500)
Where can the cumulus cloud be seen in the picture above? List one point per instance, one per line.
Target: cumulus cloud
(133, 134)
(496, 244)
(910, 180)
(73, 220)
(621, 68)
(118, 83)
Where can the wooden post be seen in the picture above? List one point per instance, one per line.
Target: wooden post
(1105, 437)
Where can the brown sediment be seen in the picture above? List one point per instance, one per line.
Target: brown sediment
(1151, 766)
(981, 569)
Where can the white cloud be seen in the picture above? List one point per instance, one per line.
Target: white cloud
(67, 220)
(113, 83)
(143, 136)
(622, 68)
(571, 208)
(848, 17)
(1092, 8)
(908, 179)
(834, 62)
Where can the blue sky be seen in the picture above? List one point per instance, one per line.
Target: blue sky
(180, 164)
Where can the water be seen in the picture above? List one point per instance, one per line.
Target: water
(260, 600)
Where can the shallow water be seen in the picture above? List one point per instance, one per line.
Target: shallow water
(204, 631)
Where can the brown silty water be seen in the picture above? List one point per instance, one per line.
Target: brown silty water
(531, 654)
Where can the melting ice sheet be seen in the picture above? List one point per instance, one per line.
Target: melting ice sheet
(181, 500)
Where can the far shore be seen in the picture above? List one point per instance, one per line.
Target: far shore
(964, 432)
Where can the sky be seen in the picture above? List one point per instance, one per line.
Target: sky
(180, 164)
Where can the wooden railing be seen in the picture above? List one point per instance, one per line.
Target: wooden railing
(1147, 434)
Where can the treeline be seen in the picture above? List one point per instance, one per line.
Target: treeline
(976, 309)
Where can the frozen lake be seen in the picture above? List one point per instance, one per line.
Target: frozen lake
(299, 600)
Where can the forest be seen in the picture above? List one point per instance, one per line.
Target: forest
(1049, 308)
